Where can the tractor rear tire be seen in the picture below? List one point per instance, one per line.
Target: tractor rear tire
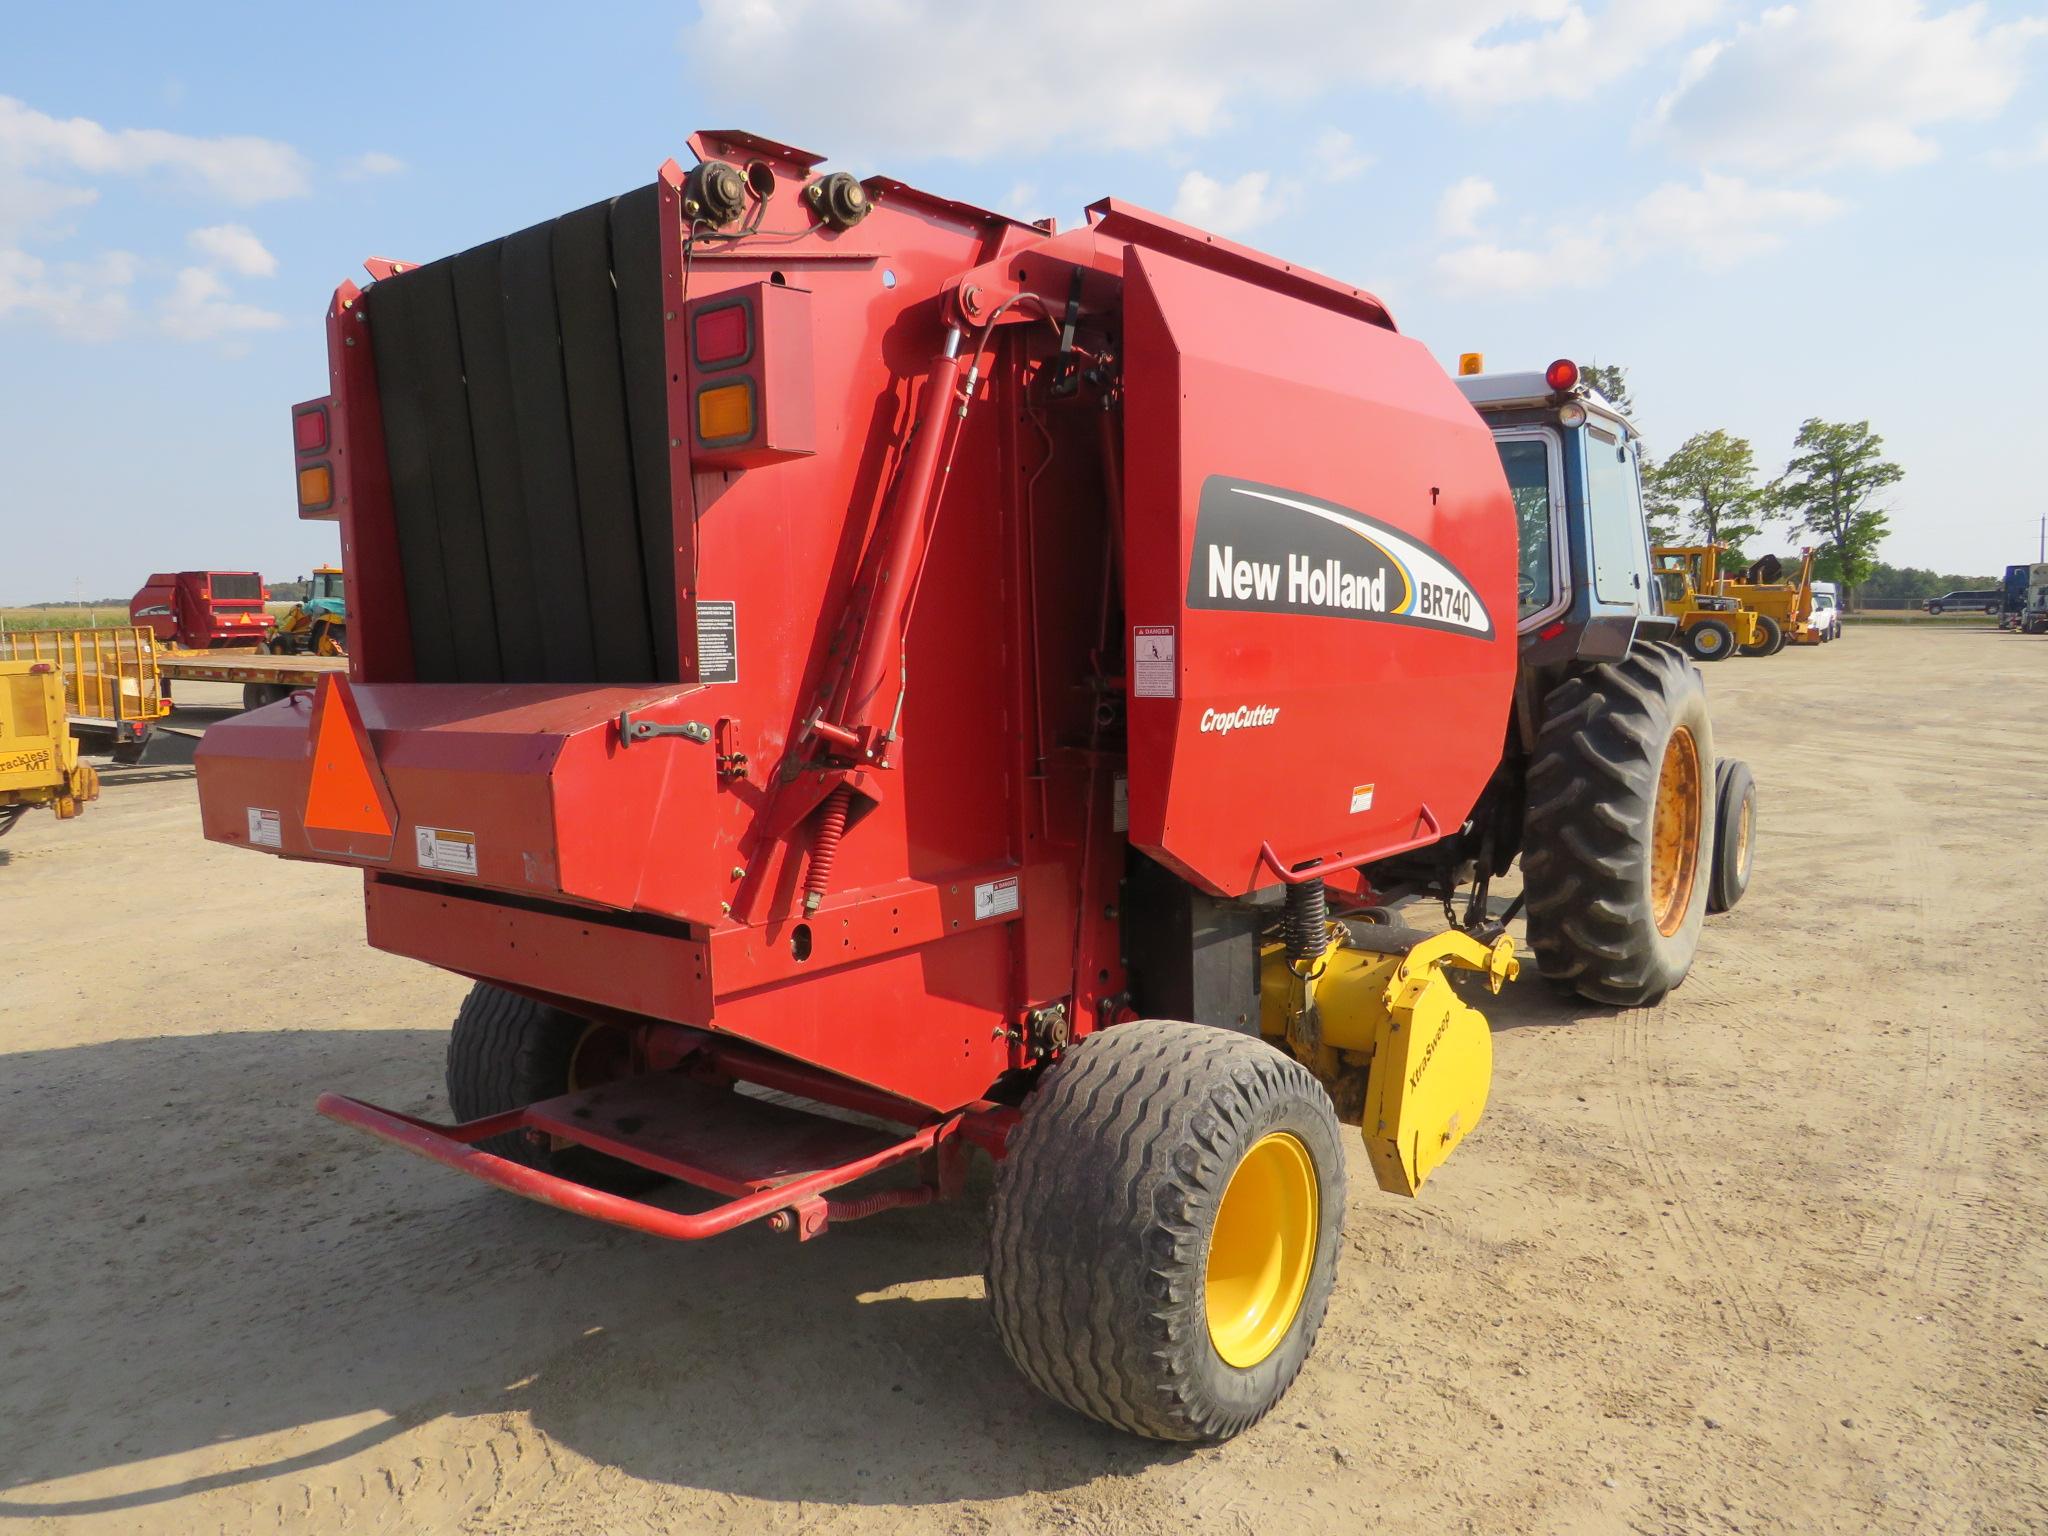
(1165, 1229)
(1770, 639)
(1734, 833)
(1618, 840)
(1710, 640)
(508, 1051)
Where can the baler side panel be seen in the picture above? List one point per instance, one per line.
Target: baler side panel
(1341, 725)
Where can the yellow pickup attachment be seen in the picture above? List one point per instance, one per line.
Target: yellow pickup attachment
(1404, 1057)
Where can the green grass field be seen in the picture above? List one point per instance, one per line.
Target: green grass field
(61, 618)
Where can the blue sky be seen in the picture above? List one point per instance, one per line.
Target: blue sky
(1832, 208)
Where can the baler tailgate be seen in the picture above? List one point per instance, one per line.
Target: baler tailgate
(768, 1157)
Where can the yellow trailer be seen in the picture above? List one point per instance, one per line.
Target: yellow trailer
(112, 690)
(38, 757)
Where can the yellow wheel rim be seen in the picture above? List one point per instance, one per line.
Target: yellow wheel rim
(1744, 832)
(1675, 833)
(1262, 1249)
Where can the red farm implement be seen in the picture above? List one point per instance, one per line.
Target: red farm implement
(852, 677)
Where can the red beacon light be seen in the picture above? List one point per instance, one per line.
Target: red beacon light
(1561, 375)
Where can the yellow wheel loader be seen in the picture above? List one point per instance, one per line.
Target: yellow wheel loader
(1711, 627)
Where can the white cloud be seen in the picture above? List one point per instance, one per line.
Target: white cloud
(1723, 220)
(30, 205)
(200, 308)
(237, 168)
(1230, 207)
(972, 78)
(1713, 224)
(1844, 83)
(87, 301)
(235, 247)
(370, 165)
(1457, 214)
(1337, 156)
(1564, 260)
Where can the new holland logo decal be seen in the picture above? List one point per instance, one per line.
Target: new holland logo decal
(1260, 549)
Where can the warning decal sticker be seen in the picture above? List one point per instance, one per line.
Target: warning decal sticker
(718, 641)
(1152, 663)
(452, 853)
(995, 898)
(266, 830)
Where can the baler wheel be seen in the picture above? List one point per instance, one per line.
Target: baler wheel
(1619, 836)
(508, 1051)
(1165, 1229)
(1770, 638)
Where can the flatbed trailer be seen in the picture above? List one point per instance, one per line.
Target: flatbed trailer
(264, 678)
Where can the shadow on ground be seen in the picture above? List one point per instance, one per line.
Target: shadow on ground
(199, 1260)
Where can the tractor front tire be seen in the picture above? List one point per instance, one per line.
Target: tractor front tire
(508, 1051)
(1618, 840)
(1734, 833)
(1165, 1229)
(1710, 640)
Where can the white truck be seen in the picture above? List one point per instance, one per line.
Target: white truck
(2034, 611)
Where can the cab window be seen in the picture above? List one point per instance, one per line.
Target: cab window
(1528, 461)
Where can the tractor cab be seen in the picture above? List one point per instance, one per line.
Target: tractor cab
(1574, 467)
(317, 625)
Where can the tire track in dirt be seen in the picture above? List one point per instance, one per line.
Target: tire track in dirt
(1935, 1238)
(1643, 1100)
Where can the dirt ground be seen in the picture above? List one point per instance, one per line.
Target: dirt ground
(1773, 1257)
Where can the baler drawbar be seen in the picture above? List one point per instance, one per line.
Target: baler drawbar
(852, 678)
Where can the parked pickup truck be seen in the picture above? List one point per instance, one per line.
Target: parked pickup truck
(1986, 600)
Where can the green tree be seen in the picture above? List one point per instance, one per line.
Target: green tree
(1829, 489)
(1708, 487)
(1611, 379)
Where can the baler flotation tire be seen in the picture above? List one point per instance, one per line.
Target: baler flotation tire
(1609, 918)
(1105, 1220)
(507, 1051)
(1710, 640)
(1734, 833)
(1770, 638)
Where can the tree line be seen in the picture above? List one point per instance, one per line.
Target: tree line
(1709, 490)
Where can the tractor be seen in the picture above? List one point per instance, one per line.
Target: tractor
(1783, 610)
(853, 678)
(318, 624)
(1712, 625)
(1786, 606)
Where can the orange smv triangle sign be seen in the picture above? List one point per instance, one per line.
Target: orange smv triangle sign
(343, 794)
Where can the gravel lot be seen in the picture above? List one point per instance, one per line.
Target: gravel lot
(1771, 1257)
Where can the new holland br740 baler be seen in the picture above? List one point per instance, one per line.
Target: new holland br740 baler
(820, 647)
